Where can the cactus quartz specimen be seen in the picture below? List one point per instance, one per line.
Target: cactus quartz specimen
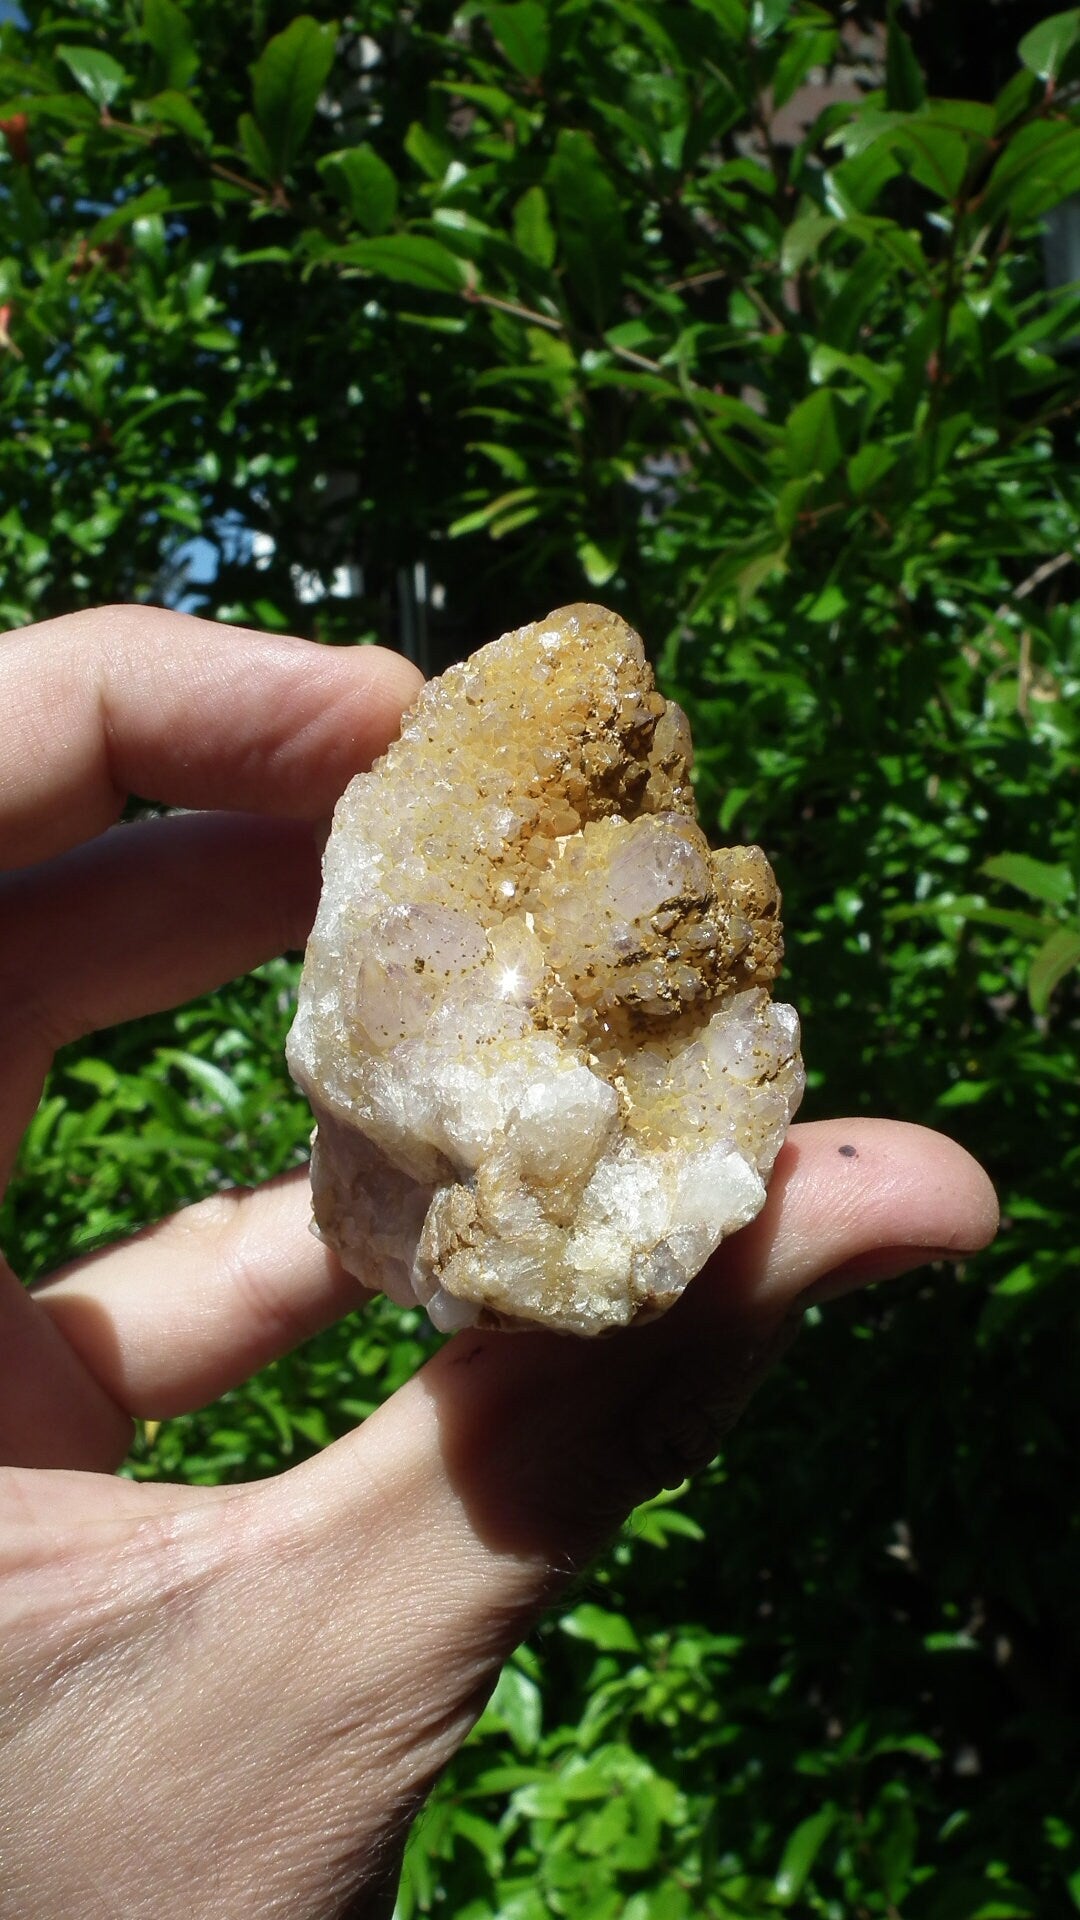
(534, 1019)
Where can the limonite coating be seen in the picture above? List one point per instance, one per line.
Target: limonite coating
(534, 1020)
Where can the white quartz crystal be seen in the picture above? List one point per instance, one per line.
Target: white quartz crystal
(534, 1020)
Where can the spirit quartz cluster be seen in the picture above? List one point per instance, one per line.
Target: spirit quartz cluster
(534, 1020)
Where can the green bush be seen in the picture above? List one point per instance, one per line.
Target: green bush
(528, 303)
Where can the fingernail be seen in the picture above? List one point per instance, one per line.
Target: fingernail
(882, 1263)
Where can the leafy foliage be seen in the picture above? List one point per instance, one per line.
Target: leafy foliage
(539, 300)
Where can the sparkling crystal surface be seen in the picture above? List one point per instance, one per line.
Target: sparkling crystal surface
(534, 1020)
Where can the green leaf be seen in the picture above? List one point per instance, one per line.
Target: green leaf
(363, 183)
(997, 1909)
(409, 257)
(166, 28)
(1019, 1281)
(937, 155)
(431, 152)
(731, 16)
(98, 74)
(826, 362)
(803, 239)
(69, 109)
(522, 32)
(533, 230)
(800, 1853)
(482, 1835)
(98, 1074)
(1055, 958)
(1038, 169)
(1025, 926)
(766, 16)
(610, 1632)
(516, 500)
(812, 437)
(743, 566)
(1017, 97)
(176, 110)
(854, 188)
(1050, 50)
(286, 80)
(904, 89)
(161, 200)
(590, 222)
(896, 1846)
(599, 562)
(936, 142)
(507, 459)
(965, 1093)
(867, 468)
(209, 1079)
(256, 152)
(827, 606)
(516, 1705)
(808, 46)
(139, 207)
(1037, 878)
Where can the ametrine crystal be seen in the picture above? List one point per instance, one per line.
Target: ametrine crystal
(534, 1020)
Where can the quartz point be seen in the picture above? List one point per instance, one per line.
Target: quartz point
(534, 1020)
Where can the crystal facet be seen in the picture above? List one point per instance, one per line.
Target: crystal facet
(534, 1021)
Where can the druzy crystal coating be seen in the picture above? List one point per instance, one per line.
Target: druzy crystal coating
(534, 1020)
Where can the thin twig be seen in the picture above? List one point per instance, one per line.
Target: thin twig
(1043, 572)
(476, 298)
(1023, 678)
(697, 280)
(150, 135)
(534, 319)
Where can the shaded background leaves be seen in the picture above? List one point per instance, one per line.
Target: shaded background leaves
(761, 323)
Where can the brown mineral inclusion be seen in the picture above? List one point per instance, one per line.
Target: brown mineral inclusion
(534, 1020)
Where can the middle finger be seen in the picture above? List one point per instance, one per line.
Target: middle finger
(141, 919)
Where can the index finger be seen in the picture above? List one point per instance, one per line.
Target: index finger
(136, 700)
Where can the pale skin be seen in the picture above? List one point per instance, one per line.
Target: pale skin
(227, 1704)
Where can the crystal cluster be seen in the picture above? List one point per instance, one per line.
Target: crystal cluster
(534, 1020)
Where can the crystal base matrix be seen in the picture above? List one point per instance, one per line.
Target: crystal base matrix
(534, 1021)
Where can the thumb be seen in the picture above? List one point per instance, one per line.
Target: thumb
(329, 1637)
(535, 1447)
(456, 1513)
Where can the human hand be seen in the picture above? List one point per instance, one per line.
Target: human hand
(230, 1701)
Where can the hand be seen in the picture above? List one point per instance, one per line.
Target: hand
(230, 1701)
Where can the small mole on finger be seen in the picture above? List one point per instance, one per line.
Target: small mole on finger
(849, 1153)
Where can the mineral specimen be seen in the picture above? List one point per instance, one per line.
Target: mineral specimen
(534, 1021)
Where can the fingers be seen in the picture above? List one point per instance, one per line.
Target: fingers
(53, 1411)
(147, 916)
(366, 1599)
(152, 914)
(136, 700)
(527, 1451)
(176, 1316)
(844, 1189)
(41, 1511)
(428, 1540)
(124, 700)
